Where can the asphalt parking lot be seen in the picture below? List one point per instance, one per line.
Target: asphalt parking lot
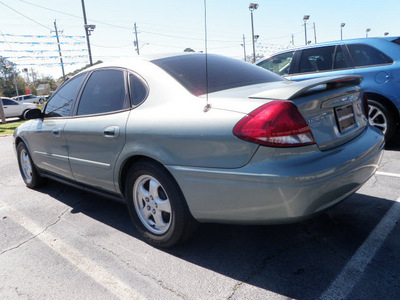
(61, 243)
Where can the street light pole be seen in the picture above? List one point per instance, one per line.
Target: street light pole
(252, 7)
(341, 30)
(366, 31)
(315, 34)
(305, 18)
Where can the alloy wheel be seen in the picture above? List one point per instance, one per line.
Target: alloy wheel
(152, 204)
(377, 118)
(26, 165)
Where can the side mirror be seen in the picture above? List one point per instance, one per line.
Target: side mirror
(33, 114)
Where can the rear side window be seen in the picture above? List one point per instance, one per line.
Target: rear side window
(279, 64)
(138, 89)
(60, 104)
(104, 92)
(340, 59)
(223, 72)
(365, 55)
(317, 59)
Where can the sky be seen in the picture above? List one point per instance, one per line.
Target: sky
(173, 25)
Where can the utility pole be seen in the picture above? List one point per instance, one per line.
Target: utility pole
(136, 42)
(87, 30)
(59, 48)
(292, 40)
(15, 83)
(244, 47)
(3, 119)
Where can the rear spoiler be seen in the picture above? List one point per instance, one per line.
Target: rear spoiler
(295, 89)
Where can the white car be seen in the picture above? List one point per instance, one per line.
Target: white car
(30, 99)
(13, 108)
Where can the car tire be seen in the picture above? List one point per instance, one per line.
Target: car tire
(157, 206)
(27, 168)
(22, 117)
(382, 118)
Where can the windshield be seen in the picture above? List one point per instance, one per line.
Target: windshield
(223, 72)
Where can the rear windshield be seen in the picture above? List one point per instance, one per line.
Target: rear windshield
(223, 72)
(397, 41)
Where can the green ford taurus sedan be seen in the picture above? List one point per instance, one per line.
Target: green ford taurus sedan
(192, 138)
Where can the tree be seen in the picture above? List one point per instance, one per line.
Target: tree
(188, 50)
(81, 69)
(7, 73)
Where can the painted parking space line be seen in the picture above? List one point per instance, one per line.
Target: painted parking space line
(387, 174)
(107, 280)
(344, 283)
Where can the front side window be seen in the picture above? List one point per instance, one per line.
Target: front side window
(60, 104)
(317, 59)
(104, 92)
(365, 55)
(8, 102)
(279, 64)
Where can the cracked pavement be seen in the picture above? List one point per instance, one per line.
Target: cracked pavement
(61, 243)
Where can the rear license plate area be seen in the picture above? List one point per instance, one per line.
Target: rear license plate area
(345, 117)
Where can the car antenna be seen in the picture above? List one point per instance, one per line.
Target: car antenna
(208, 105)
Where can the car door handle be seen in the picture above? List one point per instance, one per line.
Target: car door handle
(111, 132)
(56, 132)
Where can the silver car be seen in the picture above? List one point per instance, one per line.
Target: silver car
(240, 145)
(30, 99)
(13, 108)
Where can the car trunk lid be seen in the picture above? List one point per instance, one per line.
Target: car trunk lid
(332, 106)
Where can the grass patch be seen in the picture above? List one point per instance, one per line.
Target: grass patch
(9, 127)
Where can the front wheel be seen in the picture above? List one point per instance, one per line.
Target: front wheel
(157, 206)
(380, 117)
(28, 170)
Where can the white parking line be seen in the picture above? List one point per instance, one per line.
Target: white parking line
(387, 174)
(107, 280)
(352, 272)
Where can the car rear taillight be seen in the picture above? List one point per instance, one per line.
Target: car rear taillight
(365, 104)
(277, 123)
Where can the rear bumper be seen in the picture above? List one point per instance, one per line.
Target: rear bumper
(280, 186)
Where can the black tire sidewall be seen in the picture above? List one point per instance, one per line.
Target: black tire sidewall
(178, 214)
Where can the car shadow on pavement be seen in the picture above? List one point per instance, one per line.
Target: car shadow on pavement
(296, 260)
(394, 144)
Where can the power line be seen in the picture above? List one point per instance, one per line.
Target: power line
(128, 28)
(25, 16)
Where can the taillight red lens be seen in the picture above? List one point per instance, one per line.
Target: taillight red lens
(277, 123)
(365, 104)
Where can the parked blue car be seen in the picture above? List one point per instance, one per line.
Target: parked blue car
(377, 60)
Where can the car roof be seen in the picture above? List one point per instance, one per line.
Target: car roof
(370, 41)
(132, 61)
